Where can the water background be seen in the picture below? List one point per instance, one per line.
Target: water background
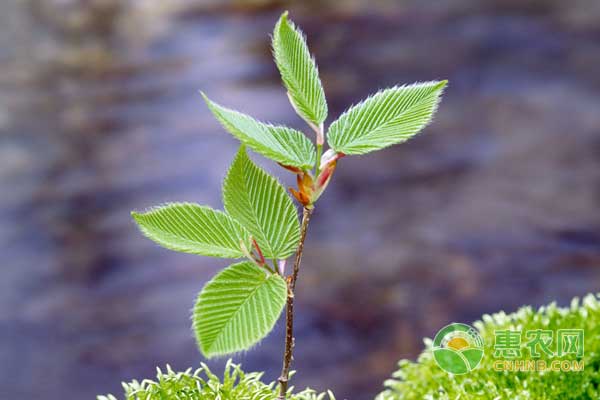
(496, 205)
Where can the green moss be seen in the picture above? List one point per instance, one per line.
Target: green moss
(425, 380)
(202, 384)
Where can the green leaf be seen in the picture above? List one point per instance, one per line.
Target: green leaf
(261, 204)
(389, 117)
(299, 71)
(237, 308)
(284, 145)
(191, 228)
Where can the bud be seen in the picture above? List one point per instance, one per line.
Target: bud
(309, 189)
(329, 156)
(305, 189)
(301, 197)
(323, 180)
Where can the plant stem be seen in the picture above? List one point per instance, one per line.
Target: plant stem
(289, 310)
(318, 165)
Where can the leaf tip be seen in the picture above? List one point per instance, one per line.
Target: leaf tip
(135, 215)
(205, 97)
(282, 21)
(442, 84)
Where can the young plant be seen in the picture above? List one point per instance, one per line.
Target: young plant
(241, 304)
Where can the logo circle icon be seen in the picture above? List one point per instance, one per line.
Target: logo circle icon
(458, 348)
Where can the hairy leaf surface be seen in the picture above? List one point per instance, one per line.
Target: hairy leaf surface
(389, 117)
(261, 204)
(237, 308)
(299, 71)
(191, 228)
(279, 143)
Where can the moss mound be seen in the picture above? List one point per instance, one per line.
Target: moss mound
(202, 384)
(425, 380)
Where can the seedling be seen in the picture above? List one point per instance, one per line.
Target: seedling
(242, 303)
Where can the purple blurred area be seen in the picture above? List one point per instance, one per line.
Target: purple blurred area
(495, 205)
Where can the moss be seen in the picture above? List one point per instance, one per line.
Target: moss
(202, 384)
(425, 380)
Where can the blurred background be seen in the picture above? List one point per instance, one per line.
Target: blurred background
(495, 205)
